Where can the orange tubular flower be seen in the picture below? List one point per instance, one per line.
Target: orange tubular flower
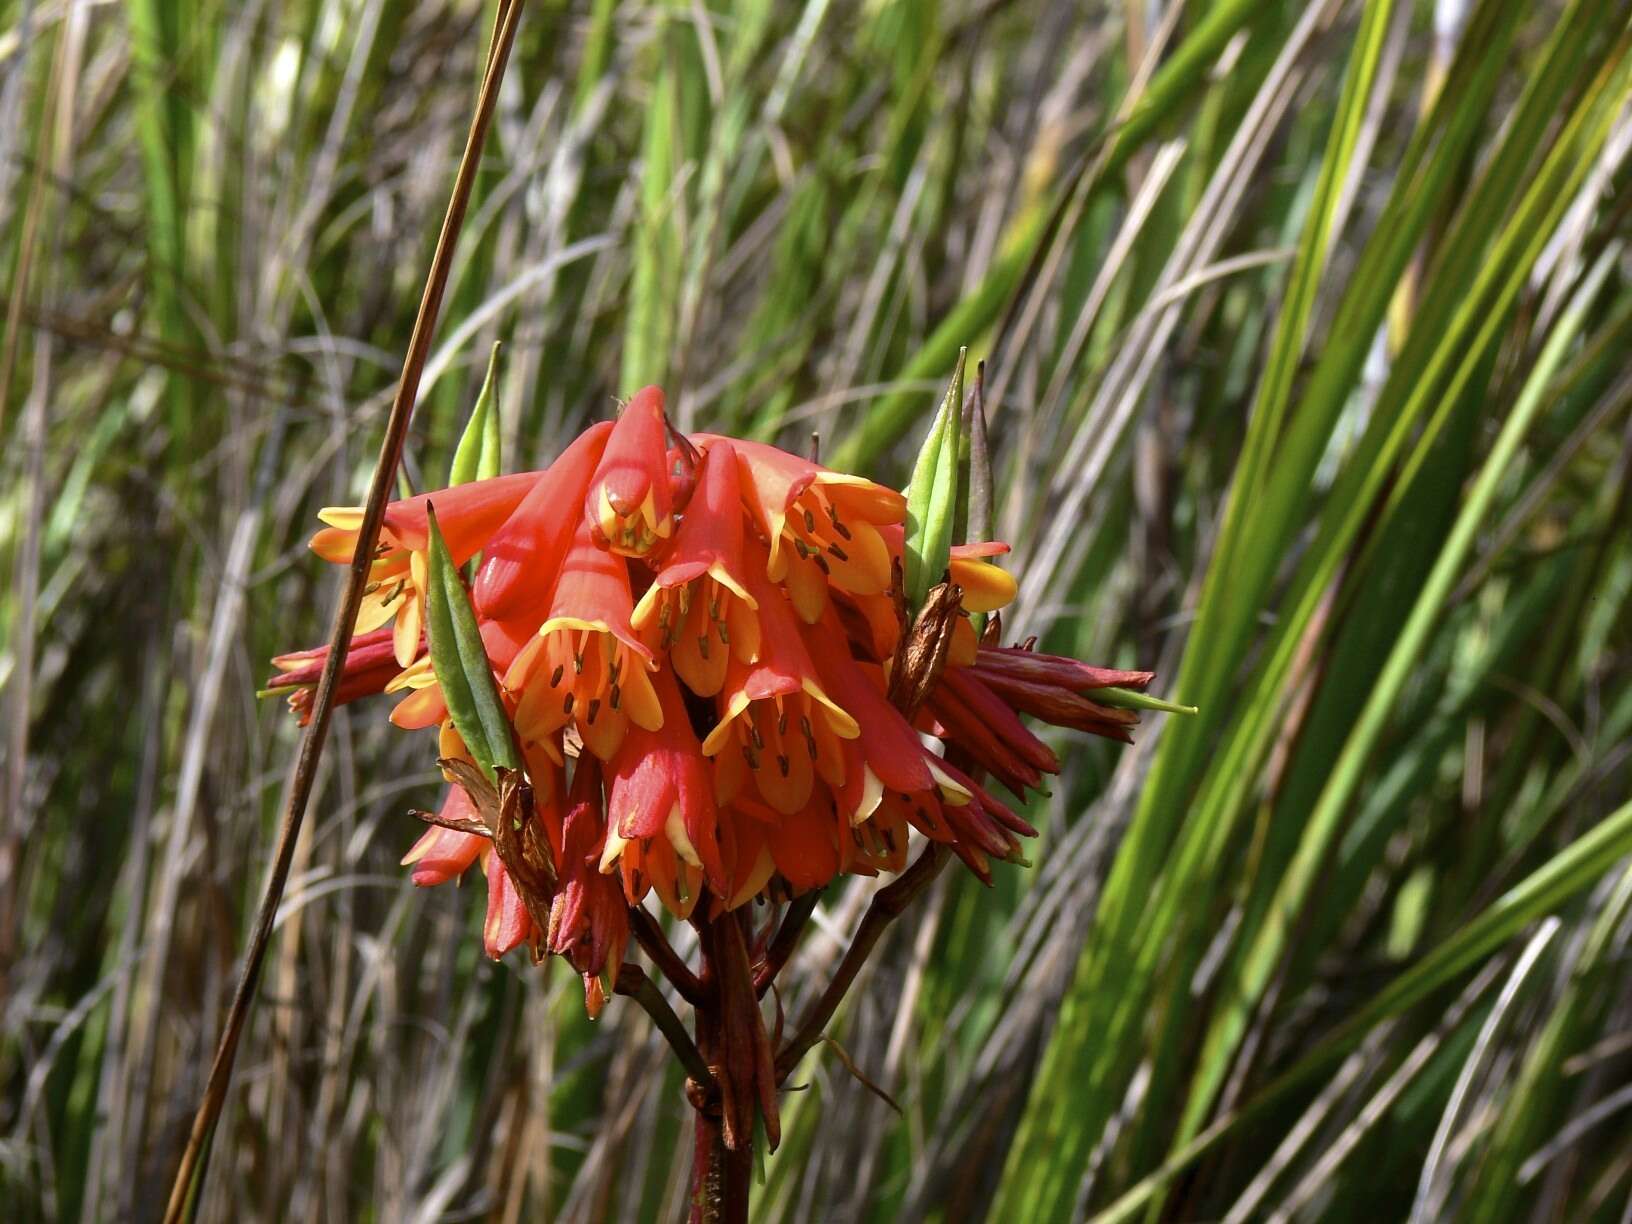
(891, 757)
(823, 526)
(660, 810)
(589, 917)
(777, 723)
(370, 664)
(630, 505)
(443, 854)
(698, 609)
(586, 666)
(520, 565)
(1054, 688)
(468, 514)
(507, 925)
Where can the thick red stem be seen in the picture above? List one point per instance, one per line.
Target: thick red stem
(719, 1176)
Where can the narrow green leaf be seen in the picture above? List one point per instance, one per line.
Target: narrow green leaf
(932, 497)
(461, 664)
(477, 455)
(1542, 892)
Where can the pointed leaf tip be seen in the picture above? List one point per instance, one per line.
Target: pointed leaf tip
(932, 497)
(477, 455)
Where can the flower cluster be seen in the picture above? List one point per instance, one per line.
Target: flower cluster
(695, 639)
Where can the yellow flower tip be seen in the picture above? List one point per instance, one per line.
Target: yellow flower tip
(346, 518)
(838, 717)
(334, 546)
(986, 587)
(420, 849)
(721, 575)
(777, 567)
(417, 675)
(718, 737)
(406, 633)
(615, 842)
(644, 611)
(606, 514)
(755, 879)
(872, 794)
(952, 791)
(674, 828)
(639, 699)
(550, 748)
(663, 527)
(566, 624)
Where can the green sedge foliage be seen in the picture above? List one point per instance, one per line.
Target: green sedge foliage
(1304, 329)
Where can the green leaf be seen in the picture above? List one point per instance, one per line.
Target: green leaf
(477, 455)
(932, 497)
(1567, 873)
(461, 664)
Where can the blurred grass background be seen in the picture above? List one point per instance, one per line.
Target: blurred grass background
(1306, 329)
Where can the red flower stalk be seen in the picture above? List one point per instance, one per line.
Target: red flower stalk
(712, 628)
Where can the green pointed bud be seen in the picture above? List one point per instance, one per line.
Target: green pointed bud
(477, 455)
(975, 494)
(974, 517)
(932, 497)
(460, 661)
(1133, 699)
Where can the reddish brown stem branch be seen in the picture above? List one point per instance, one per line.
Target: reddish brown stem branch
(633, 983)
(785, 940)
(887, 905)
(317, 731)
(649, 935)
